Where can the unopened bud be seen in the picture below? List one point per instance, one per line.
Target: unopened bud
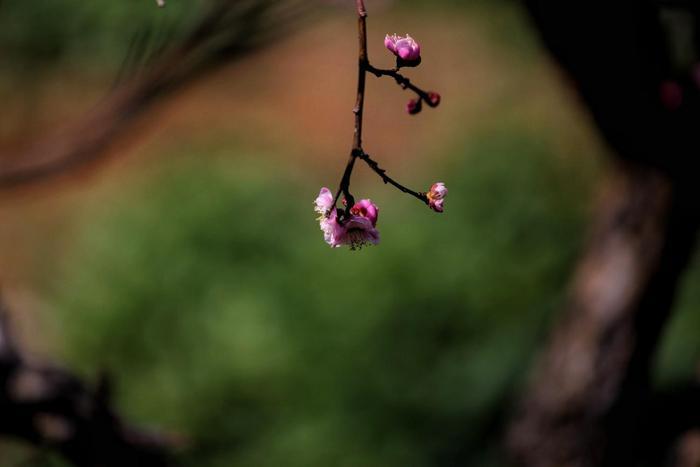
(406, 49)
(436, 196)
(414, 106)
(434, 99)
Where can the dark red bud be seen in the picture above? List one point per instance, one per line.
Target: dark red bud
(434, 99)
(414, 106)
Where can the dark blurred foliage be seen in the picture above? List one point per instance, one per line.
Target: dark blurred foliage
(35, 35)
(678, 359)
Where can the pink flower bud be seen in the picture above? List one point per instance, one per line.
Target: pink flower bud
(324, 201)
(414, 106)
(436, 196)
(366, 208)
(434, 99)
(406, 48)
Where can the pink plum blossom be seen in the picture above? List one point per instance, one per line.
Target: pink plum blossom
(328, 220)
(324, 201)
(367, 209)
(436, 196)
(357, 230)
(360, 228)
(333, 231)
(406, 48)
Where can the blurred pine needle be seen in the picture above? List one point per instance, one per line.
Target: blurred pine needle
(161, 59)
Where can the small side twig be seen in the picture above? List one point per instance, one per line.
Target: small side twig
(364, 67)
(344, 188)
(386, 179)
(404, 82)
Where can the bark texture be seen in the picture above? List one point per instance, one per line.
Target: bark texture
(590, 402)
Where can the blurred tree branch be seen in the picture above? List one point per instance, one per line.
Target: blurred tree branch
(51, 407)
(227, 31)
(591, 402)
(591, 391)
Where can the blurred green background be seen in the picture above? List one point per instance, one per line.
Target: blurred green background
(190, 266)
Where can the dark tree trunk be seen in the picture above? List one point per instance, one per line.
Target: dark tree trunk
(590, 402)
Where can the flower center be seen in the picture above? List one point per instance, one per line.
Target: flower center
(359, 211)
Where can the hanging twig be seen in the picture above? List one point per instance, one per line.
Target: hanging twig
(364, 67)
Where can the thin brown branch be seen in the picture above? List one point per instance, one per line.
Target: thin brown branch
(358, 110)
(363, 64)
(386, 179)
(363, 68)
(344, 188)
(404, 82)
